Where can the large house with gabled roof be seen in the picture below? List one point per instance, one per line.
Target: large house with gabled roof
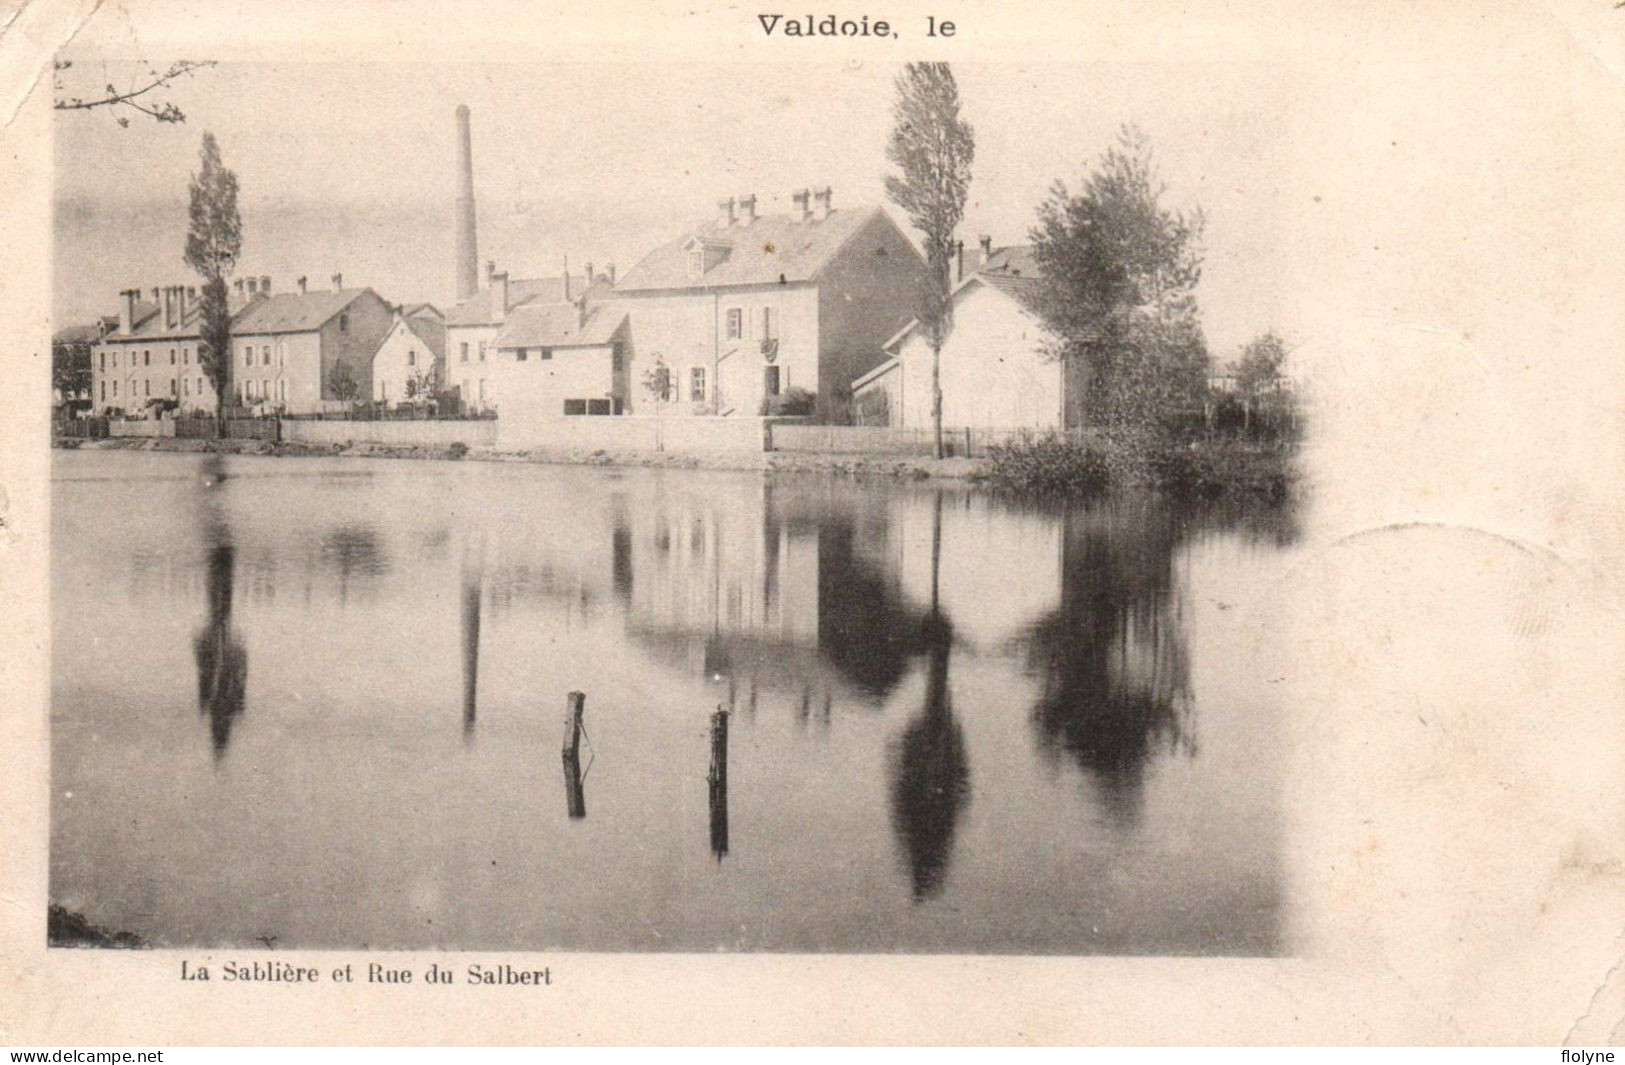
(285, 348)
(749, 306)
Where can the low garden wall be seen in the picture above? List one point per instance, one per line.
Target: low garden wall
(329, 432)
(634, 433)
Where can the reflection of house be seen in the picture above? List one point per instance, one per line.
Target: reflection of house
(474, 323)
(410, 362)
(556, 359)
(994, 370)
(284, 347)
(749, 305)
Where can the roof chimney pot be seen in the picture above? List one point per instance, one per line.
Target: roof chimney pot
(823, 203)
(338, 282)
(303, 280)
(747, 209)
(725, 213)
(986, 255)
(801, 202)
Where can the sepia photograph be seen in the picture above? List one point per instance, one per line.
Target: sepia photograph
(936, 524)
(801, 536)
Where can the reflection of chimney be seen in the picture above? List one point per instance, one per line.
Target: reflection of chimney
(126, 310)
(987, 250)
(747, 209)
(303, 280)
(725, 213)
(801, 200)
(468, 256)
(823, 203)
(338, 282)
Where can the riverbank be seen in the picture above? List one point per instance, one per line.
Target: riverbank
(67, 928)
(903, 466)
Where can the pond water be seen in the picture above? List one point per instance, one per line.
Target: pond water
(321, 703)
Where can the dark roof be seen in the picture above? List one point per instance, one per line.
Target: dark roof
(771, 249)
(1015, 261)
(559, 325)
(431, 332)
(479, 309)
(293, 312)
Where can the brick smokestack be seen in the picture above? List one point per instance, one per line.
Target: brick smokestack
(468, 256)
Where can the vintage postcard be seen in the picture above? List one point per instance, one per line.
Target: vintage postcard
(955, 523)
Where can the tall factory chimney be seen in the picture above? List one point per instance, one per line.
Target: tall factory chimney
(468, 267)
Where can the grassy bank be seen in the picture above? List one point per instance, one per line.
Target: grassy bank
(907, 467)
(66, 928)
(1207, 466)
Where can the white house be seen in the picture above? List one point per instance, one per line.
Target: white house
(556, 360)
(994, 370)
(410, 363)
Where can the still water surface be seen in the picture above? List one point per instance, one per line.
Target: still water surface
(321, 703)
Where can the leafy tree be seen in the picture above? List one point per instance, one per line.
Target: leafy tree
(1259, 369)
(342, 383)
(214, 240)
(70, 368)
(932, 148)
(1120, 274)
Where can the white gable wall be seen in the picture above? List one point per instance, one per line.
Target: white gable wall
(994, 372)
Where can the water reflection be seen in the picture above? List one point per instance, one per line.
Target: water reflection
(869, 644)
(222, 660)
(1112, 655)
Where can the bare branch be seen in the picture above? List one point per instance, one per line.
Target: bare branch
(112, 97)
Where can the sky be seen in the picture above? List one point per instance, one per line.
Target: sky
(349, 167)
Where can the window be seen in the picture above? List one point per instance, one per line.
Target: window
(598, 406)
(172, 389)
(465, 352)
(770, 380)
(115, 360)
(186, 356)
(115, 389)
(171, 356)
(412, 356)
(104, 389)
(736, 323)
(282, 391)
(546, 353)
(696, 384)
(265, 355)
(575, 406)
(186, 386)
(104, 359)
(146, 358)
(383, 391)
(265, 389)
(200, 386)
(281, 352)
(696, 261)
(482, 351)
(344, 323)
(248, 355)
(146, 387)
(522, 354)
(767, 323)
(248, 391)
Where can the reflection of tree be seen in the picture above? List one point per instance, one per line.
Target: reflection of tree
(931, 784)
(1113, 658)
(353, 550)
(864, 629)
(932, 775)
(222, 660)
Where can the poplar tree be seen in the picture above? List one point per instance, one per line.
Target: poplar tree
(214, 240)
(932, 148)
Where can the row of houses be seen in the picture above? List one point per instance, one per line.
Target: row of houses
(717, 321)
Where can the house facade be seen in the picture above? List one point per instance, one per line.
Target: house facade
(995, 371)
(409, 364)
(748, 307)
(283, 348)
(474, 323)
(558, 360)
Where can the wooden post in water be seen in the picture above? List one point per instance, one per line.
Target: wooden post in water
(575, 796)
(718, 780)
